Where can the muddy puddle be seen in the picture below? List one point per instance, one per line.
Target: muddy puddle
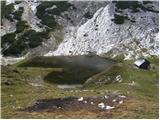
(92, 104)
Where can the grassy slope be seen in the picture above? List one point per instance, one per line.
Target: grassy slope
(23, 94)
(142, 98)
(143, 95)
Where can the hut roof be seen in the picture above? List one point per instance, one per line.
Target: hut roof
(139, 62)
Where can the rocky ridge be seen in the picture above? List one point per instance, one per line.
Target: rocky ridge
(103, 28)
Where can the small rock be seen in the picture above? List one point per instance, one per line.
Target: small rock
(120, 102)
(76, 91)
(122, 96)
(118, 78)
(106, 97)
(91, 90)
(91, 103)
(19, 107)
(114, 100)
(85, 101)
(8, 82)
(109, 107)
(11, 95)
(80, 99)
(85, 90)
(133, 83)
(101, 105)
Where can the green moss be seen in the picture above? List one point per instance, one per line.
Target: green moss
(15, 49)
(49, 21)
(47, 15)
(59, 36)
(6, 10)
(119, 58)
(21, 26)
(8, 39)
(33, 38)
(119, 19)
(18, 13)
(154, 59)
(18, 2)
(135, 6)
(20, 45)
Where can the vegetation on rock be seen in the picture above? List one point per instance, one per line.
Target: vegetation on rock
(28, 39)
(46, 13)
(6, 10)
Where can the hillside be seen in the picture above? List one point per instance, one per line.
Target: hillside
(79, 59)
(38, 78)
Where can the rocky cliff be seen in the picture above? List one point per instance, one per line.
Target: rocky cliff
(108, 28)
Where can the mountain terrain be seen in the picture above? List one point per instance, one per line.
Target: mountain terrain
(75, 59)
(128, 29)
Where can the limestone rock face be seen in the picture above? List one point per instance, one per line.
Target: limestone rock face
(90, 27)
(101, 35)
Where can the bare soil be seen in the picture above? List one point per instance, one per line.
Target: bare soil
(72, 104)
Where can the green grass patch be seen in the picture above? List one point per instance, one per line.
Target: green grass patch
(146, 81)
